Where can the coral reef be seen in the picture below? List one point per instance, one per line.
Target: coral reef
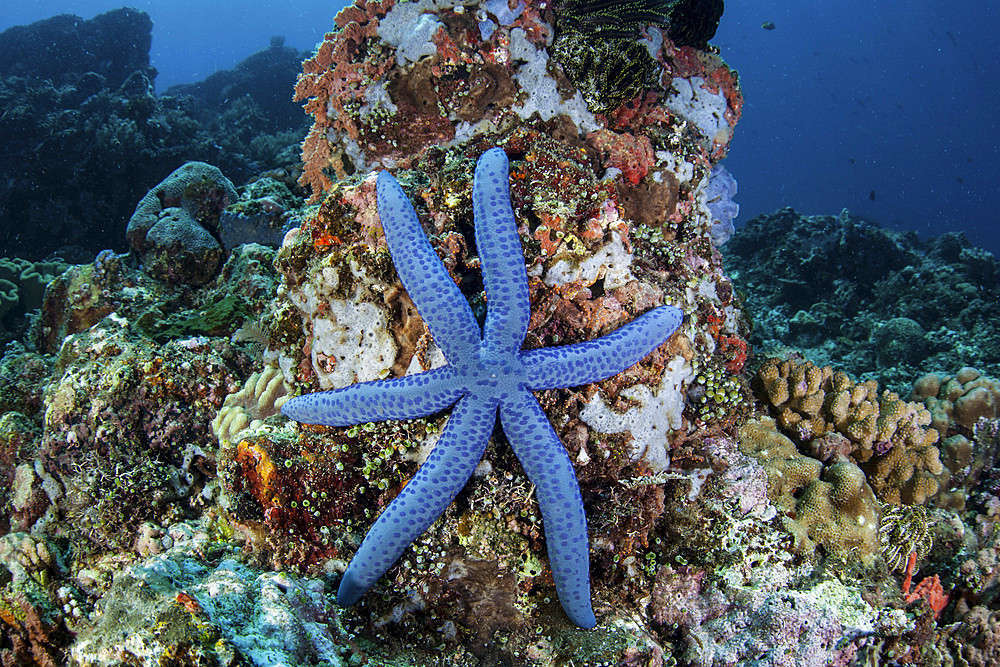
(84, 136)
(740, 508)
(875, 303)
(885, 434)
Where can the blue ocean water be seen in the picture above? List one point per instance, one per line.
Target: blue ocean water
(885, 108)
(192, 38)
(888, 109)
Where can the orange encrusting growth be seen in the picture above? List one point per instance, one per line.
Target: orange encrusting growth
(331, 80)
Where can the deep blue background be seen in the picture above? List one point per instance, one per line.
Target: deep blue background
(896, 97)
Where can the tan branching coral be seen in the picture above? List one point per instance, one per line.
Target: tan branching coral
(261, 397)
(889, 437)
(811, 401)
(906, 475)
(961, 406)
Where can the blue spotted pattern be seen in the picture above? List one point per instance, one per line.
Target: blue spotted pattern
(487, 373)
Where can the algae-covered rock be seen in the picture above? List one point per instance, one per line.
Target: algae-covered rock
(175, 225)
(181, 608)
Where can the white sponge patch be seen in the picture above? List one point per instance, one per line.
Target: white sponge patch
(657, 414)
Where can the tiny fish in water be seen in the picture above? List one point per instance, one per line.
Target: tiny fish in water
(871, 195)
(767, 25)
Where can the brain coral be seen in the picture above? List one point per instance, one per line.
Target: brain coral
(174, 226)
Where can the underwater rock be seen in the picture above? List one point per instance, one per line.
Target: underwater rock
(306, 496)
(264, 214)
(260, 82)
(112, 45)
(174, 226)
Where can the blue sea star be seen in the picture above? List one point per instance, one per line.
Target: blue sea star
(487, 372)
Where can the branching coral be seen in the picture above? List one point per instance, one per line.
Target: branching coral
(889, 437)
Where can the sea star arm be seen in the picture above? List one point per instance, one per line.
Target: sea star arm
(548, 467)
(424, 498)
(593, 360)
(500, 254)
(407, 397)
(439, 301)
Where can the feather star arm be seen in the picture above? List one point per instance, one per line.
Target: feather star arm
(407, 397)
(500, 254)
(593, 360)
(547, 465)
(449, 466)
(439, 301)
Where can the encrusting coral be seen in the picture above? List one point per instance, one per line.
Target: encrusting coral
(838, 511)
(963, 398)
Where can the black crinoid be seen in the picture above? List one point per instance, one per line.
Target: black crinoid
(598, 43)
(612, 18)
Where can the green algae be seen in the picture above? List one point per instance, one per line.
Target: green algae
(219, 318)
